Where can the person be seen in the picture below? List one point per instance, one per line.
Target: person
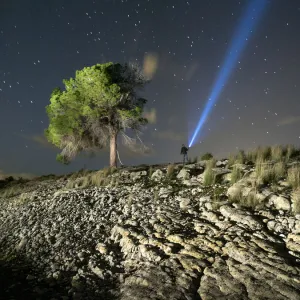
(184, 151)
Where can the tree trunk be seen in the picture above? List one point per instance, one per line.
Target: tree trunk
(113, 150)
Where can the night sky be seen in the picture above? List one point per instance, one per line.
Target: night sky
(43, 42)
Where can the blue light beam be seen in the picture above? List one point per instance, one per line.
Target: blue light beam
(241, 37)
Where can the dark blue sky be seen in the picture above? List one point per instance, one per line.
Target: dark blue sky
(41, 44)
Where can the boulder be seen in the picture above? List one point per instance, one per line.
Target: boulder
(157, 175)
(183, 174)
(280, 202)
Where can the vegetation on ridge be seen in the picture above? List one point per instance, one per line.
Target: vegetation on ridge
(275, 169)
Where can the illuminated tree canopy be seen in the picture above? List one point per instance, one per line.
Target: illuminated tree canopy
(96, 106)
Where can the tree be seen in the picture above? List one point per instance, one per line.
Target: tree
(97, 105)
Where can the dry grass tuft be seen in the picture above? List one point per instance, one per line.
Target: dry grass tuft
(277, 152)
(291, 151)
(251, 200)
(251, 155)
(12, 191)
(211, 163)
(296, 201)
(170, 171)
(236, 174)
(87, 179)
(151, 171)
(263, 153)
(266, 172)
(279, 170)
(209, 176)
(231, 160)
(293, 177)
(240, 157)
(206, 156)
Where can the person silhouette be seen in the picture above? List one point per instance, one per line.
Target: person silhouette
(183, 152)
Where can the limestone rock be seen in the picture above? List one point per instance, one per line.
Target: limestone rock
(280, 202)
(241, 217)
(153, 239)
(157, 175)
(184, 203)
(183, 174)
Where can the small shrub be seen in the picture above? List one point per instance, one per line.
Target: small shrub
(296, 201)
(206, 156)
(293, 177)
(170, 171)
(236, 174)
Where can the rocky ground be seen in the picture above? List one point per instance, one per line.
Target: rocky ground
(142, 238)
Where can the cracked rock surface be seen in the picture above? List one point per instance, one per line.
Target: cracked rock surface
(146, 239)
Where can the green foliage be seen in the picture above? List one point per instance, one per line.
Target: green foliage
(206, 156)
(62, 159)
(98, 103)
